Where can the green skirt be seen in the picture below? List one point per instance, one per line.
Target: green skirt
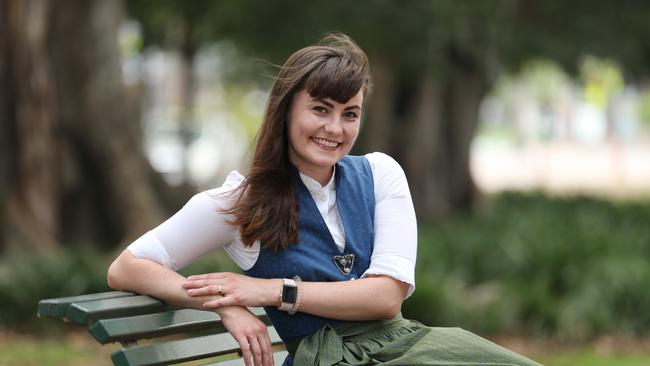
(401, 342)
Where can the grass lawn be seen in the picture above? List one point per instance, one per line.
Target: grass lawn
(604, 351)
(76, 349)
(588, 357)
(70, 349)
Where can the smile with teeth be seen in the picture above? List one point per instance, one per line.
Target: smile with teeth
(325, 143)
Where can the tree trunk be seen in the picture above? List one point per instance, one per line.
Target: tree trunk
(104, 137)
(426, 180)
(71, 160)
(187, 95)
(466, 91)
(30, 186)
(378, 124)
(427, 123)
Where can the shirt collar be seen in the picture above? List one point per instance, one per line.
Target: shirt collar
(314, 186)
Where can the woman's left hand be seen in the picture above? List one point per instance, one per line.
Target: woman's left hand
(235, 289)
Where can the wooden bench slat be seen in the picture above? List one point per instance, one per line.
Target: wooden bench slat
(154, 325)
(182, 350)
(57, 308)
(159, 324)
(84, 313)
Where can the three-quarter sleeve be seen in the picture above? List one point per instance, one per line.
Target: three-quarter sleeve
(196, 229)
(395, 245)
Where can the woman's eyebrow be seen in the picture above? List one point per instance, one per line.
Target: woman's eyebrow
(325, 102)
(330, 105)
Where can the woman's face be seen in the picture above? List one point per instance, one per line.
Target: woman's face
(321, 132)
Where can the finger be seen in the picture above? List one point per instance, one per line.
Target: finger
(200, 276)
(245, 350)
(256, 349)
(202, 283)
(215, 275)
(207, 290)
(265, 345)
(197, 283)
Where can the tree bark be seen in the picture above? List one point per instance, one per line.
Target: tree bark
(428, 124)
(71, 160)
(104, 136)
(378, 124)
(466, 91)
(29, 163)
(427, 180)
(186, 47)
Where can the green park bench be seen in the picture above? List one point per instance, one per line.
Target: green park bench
(128, 318)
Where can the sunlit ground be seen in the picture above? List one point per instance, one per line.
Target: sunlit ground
(77, 348)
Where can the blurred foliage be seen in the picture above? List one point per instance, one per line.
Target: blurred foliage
(644, 110)
(416, 35)
(27, 279)
(571, 267)
(412, 37)
(602, 79)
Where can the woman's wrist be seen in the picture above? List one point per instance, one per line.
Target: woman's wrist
(274, 292)
(225, 311)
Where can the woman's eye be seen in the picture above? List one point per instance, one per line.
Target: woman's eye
(319, 109)
(351, 115)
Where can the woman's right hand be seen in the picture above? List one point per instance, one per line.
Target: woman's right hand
(251, 334)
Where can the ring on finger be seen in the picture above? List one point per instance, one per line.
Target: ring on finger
(219, 290)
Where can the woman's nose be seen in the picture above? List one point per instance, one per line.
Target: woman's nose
(334, 126)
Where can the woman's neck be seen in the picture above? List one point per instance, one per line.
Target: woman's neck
(323, 177)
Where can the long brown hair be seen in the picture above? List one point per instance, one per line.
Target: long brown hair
(267, 207)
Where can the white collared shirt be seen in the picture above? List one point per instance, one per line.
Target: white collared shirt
(325, 199)
(200, 226)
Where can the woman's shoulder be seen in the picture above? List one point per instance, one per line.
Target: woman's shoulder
(233, 180)
(382, 163)
(222, 196)
(388, 175)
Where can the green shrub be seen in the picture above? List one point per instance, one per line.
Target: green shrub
(572, 267)
(26, 279)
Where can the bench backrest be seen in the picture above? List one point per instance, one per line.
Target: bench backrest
(126, 317)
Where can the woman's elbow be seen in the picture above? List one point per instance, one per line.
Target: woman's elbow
(116, 272)
(391, 308)
(395, 293)
(112, 277)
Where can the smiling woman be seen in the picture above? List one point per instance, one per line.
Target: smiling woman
(327, 241)
(321, 132)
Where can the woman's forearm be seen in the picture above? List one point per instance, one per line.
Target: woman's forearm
(147, 277)
(370, 298)
(129, 273)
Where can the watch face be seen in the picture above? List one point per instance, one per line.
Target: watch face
(289, 294)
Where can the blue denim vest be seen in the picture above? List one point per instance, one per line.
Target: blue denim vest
(312, 258)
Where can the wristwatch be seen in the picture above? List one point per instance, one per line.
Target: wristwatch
(289, 296)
